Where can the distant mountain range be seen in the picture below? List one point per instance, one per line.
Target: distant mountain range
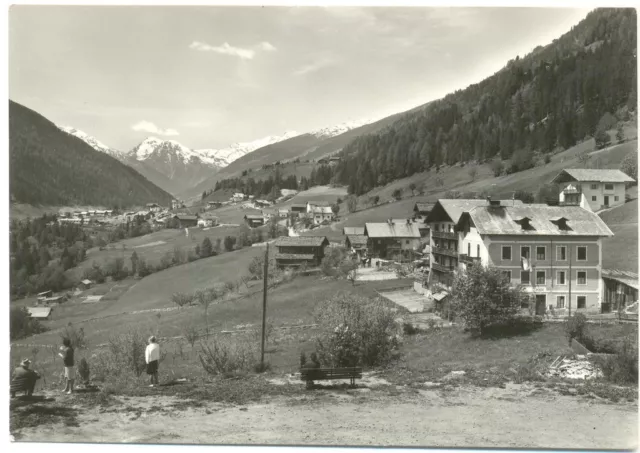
(179, 169)
(48, 167)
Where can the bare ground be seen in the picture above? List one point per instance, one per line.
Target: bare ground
(516, 416)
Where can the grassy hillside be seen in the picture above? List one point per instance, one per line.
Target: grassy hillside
(50, 167)
(621, 250)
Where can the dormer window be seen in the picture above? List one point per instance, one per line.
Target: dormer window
(560, 222)
(525, 223)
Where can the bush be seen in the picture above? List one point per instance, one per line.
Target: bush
(226, 357)
(574, 327)
(125, 354)
(622, 368)
(182, 299)
(83, 371)
(524, 196)
(355, 331)
(497, 167)
(409, 329)
(75, 336)
(22, 325)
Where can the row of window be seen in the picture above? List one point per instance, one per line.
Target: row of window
(444, 228)
(581, 300)
(541, 277)
(541, 252)
(595, 198)
(606, 187)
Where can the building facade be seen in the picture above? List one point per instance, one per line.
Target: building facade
(601, 188)
(392, 240)
(620, 289)
(552, 252)
(295, 251)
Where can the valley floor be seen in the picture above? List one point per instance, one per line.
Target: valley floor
(518, 416)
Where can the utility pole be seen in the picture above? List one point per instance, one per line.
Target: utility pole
(569, 249)
(264, 304)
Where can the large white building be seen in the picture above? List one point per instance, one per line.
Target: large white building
(600, 189)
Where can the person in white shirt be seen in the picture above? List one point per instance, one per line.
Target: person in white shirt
(152, 357)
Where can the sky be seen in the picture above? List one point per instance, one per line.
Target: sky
(210, 76)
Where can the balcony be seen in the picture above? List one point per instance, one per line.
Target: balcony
(441, 268)
(445, 251)
(444, 235)
(469, 259)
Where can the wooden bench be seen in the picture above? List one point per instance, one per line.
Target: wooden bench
(326, 374)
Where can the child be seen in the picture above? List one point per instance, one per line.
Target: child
(152, 357)
(66, 352)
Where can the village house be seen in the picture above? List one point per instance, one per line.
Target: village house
(320, 214)
(207, 220)
(393, 240)
(334, 160)
(421, 210)
(323, 161)
(237, 197)
(186, 221)
(600, 188)
(263, 203)
(85, 284)
(300, 250)
(357, 243)
(283, 213)
(443, 240)
(620, 289)
(40, 313)
(254, 220)
(269, 214)
(299, 209)
(175, 204)
(552, 252)
(213, 204)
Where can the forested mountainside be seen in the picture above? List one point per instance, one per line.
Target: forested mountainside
(50, 167)
(553, 97)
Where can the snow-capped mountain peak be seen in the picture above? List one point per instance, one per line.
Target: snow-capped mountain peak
(332, 131)
(92, 141)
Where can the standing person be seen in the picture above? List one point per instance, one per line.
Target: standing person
(66, 352)
(24, 379)
(152, 357)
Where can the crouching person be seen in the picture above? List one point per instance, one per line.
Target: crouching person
(24, 379)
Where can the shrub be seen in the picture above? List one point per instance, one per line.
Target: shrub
(602, 139)
(182, 299)
(125, 354)
(497, 167)
(355, 331)
(83, 371)
(397, 194)
(191, 334)
(574, 327)
(224, 357)
(524, 196)
(75, 336)
(409, 329)
(622, 368)
(547, 159)
(22, 325)
(629, 165)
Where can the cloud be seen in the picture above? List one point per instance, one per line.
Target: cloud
(314, 66)
(267, 46)
(227, 49)
(148, 126)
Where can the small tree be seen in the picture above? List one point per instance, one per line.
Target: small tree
(497, 167)
(134, 263)
(412, 188)
(397, 194)
(440, 181)
(524, 196)
(206, 248)
(473, 173)
(181, 299)
(229, 242)
(602, 139)
(620, 133)
(420, 188)
(375, 200)
(629, 165)
(335, 208)
(352, 203)
(482, 296)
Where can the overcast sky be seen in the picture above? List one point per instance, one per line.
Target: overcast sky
(211, 76)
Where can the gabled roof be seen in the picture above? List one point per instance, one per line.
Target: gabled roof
(591, 175)
(39, 312)
(185, 217)
(423, 206)
(393, 230)
(254, 217)
(454, 208)
(503, 220)
(299, 206)
(357, 239)
(352, 230)
(626, 277)
(302, 241)
(319, 203)
(322, 210)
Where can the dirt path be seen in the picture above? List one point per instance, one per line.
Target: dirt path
(517, 416)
